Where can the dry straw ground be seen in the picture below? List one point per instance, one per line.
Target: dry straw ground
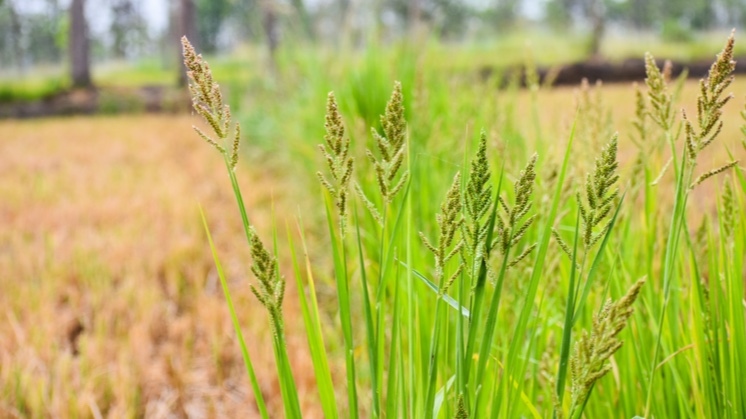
(109, 301)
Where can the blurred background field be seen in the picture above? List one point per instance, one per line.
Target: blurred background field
(110, 305)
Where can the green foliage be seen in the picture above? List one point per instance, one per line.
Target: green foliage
(460, 333)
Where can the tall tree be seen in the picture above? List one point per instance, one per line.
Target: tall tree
(79, 45)
(210, 21)
(127, 28)
(596, 12)
(305, 19)
(271, 29)
(15, 33)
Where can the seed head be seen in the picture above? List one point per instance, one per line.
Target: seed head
(511, 229)
(710, 102)
(207, 101)
(392, 121)
(461, 412)
(449, 221)
(641, 114)
(392, 150)
(703, 177)
(660, 98)
(477, 200)
(588, 362)
(600, 193)
(270, 290)
(336, 152)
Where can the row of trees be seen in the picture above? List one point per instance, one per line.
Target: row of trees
(56, 30)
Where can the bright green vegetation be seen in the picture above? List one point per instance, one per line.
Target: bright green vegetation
(244, 69)
(518, 272)
(30, 88)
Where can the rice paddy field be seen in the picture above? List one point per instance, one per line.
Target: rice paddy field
(459, 247)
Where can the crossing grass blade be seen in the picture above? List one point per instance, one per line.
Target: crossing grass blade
(370, 330)
(312, 325)
(236, 326)
(536, 274)
(446, 298)
(340, 276)
(567, 327)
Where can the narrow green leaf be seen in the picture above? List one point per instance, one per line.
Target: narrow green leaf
(536, 273)
(315, 336)
(236, 326)
(340, 275)
(447, 298)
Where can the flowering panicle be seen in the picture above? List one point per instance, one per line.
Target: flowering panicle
(710, 102)
(449, 222)
(477, 201)
(336, 151)
(660, 98)
(600, 194)
(710, 105)
(461, 412)
(510, 224)
(641, 115)
(392, 150)
(588, 362)
(271, 288)
(207, 101)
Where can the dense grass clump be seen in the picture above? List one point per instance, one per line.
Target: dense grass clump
(477, 289)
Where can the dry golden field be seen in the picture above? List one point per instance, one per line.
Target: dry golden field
(109, 297)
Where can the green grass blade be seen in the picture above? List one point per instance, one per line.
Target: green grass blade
(315, 336)
(367, 313)
(432, 372)
(536, 272)
(391, 391)
(239, 199)
(446, 298)
(679, 213)
(489, 329)
(236, 326)
(567, 327)
(340, 275)
(440, 396)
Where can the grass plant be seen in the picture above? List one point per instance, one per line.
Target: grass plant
(438, 337)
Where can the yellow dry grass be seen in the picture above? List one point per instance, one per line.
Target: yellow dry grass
(109, 302)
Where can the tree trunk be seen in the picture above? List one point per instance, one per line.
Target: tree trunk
(187, 16)
(305, 18)
(15, 37)
(415, 13)
(598, 20)
(271, 30)
(79, 46)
